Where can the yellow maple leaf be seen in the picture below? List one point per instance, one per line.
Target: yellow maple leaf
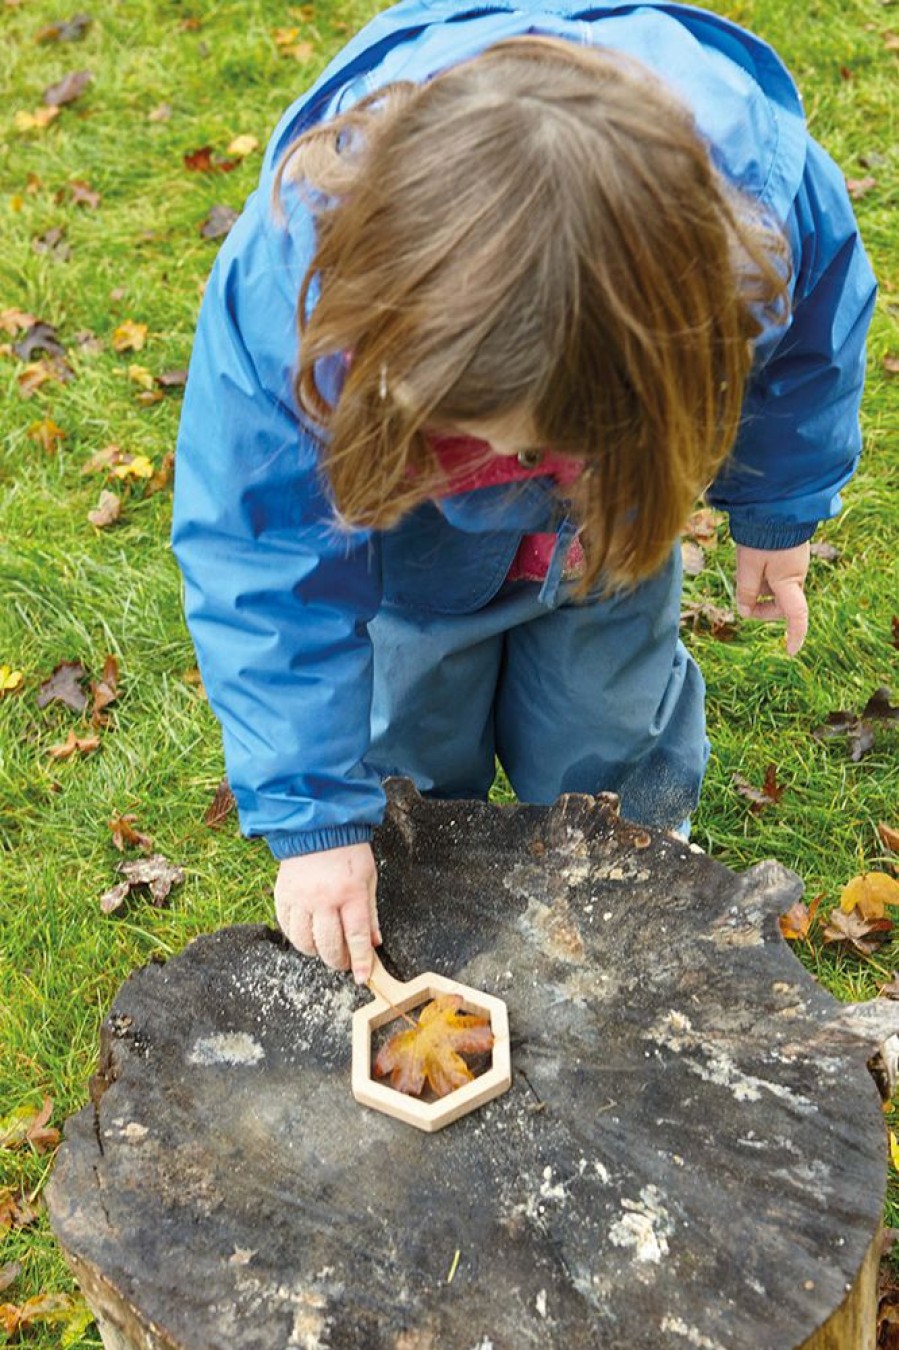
(141, 376)
(129, 336)
(300, 51)
(9, 679)
(427, 1053)
(36, 121)
(285, 36)
(137, 466)
(870, 893)
(894, 1150)
(243, 145)
(46, 433)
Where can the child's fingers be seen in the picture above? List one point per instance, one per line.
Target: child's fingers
(793, 606)
(327, 929)
(358, 931)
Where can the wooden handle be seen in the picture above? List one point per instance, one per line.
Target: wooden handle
(384, 986)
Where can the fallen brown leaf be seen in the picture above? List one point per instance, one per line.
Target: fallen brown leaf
(82, 745)
(206, 160)
(126, 835)
(64, 686)
(860, 187)
(65, 30)
(880, 707)
(796, 923)
(222, 805)
(703, 526)
(9, 1274)
(28, 1125)
(52, 370)
(891, 988)
(889, 837)
(692, 557)
(68, 89)
(47, 434)
(104, 691)
(107, 511)
(769, 794)
(859, 935)
(156, 873)
(38, 337)
(14, 321)
(82, 194)
(703, 616)
(53, 243)
(219, 222)
(15, 1211)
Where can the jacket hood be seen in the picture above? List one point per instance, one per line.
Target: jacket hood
(742, 97)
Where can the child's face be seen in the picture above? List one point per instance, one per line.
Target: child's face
(512, 433)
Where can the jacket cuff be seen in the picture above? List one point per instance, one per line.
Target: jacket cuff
(771, 534)
(285, 845)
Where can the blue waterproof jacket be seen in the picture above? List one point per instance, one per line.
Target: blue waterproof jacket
(278, 599)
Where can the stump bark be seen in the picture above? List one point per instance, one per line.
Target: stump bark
(692, 1152)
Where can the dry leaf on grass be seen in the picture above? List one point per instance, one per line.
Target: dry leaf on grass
(125, 834)
(219, 222)
(870, 893)
(81, 745)
(107, 512)
(431, 1051)
(64, 686)
(10, 680)
(889, 836)
(68, 1310)
(9, 1274)
(859, 935)
(796, 923)
(28, 1125)
(703, 616)
(68, 89)
(65, 30)
(39, 337)
(769, 794)
(16, 1210)
(156, 873)
(129, 336)
(222, 805)
(46, 434)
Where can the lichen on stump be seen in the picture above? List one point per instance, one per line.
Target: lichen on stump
(691, 1153)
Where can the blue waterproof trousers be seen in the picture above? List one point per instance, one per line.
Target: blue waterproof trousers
(592, 696)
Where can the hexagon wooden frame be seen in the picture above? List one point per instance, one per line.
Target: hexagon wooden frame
(429, 1116)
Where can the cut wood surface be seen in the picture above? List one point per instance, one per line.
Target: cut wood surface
(691, 1154)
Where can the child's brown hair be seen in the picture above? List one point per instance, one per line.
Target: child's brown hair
(538, 229)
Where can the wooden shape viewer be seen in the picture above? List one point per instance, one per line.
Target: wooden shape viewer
(424, 1115)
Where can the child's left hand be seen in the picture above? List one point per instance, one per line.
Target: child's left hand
(770, 585)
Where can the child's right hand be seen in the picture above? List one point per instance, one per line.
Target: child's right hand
(325, 903)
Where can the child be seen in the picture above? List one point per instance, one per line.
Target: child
(517, 285)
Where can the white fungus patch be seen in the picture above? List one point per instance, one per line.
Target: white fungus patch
(675, 1031)
(645, 1226)
(691, 1334)
(235, 1048)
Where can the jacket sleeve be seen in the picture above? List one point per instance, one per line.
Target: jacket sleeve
(277, 597)
(799, 438)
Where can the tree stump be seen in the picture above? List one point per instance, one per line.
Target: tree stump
(691, 1155)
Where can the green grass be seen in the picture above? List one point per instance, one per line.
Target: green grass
(72, 593)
